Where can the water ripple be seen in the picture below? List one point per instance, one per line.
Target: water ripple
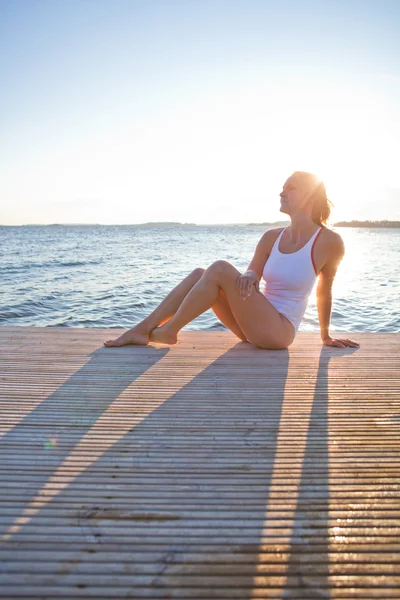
(113, 276)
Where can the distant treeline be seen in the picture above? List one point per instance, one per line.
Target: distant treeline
(392, 224)
(274, 224)
(166, 224)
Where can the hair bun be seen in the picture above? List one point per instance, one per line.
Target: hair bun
(322, 206)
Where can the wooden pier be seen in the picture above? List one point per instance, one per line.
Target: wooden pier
(211, 469)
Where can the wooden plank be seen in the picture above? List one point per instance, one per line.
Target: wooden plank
(211, 469)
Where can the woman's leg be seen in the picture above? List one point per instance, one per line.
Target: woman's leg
(140, 333)
(223, 311)
(257, 318)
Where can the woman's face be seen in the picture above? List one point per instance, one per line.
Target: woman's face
(294, 195)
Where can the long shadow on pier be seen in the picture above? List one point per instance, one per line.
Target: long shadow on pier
(184, 492)
(51, 431)
(308, 560)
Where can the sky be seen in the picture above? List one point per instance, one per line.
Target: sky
(115, 111)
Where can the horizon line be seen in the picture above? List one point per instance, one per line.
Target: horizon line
(190, 224)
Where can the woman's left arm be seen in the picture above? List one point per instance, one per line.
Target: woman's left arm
(324, 295)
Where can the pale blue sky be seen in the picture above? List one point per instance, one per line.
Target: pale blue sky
(196, 110)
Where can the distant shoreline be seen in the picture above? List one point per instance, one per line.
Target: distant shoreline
(367, 224)
(378, 224)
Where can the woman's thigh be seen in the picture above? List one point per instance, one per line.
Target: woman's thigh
(257, 318)
(223, 311)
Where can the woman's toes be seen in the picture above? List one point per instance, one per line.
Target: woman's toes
(129, 337)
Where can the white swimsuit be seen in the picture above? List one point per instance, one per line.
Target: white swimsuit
(289, 279)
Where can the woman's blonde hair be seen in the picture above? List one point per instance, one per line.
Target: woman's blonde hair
(321, 205)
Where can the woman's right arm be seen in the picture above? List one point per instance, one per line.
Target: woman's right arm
(255, 269)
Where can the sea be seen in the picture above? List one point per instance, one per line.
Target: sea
(115, 275)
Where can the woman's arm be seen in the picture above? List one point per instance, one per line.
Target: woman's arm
(324, 295)
(262, 252)
(251, 278)
(324, 305)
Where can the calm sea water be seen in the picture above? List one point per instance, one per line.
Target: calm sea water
(113, 276)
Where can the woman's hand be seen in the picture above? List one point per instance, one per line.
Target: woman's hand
(246, 282)
(339, 343)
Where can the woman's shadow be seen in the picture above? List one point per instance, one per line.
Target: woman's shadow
(313, 538)
(184, 493)
(40, 443)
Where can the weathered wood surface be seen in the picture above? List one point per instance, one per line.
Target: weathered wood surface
(211, 469)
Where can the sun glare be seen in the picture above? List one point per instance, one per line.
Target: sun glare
(348, 151)
(221, 157)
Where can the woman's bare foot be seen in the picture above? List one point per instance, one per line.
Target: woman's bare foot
(161, 335)
(137, 335)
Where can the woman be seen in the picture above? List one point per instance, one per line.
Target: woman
(288, 259)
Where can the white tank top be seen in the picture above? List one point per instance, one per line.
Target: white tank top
(289, 279)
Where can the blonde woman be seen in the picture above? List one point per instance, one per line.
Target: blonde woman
(287, 260)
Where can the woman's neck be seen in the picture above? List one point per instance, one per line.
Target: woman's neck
(301, 226)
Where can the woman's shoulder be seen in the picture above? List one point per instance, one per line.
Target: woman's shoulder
(270, 236)
(332, 240)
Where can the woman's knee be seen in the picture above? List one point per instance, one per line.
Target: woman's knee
(220, 266)
(198, 272)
